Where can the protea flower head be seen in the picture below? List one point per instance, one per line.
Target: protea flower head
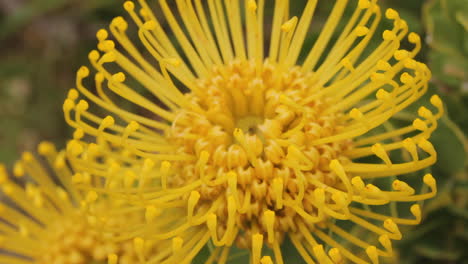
(227, 130)
(45, 220)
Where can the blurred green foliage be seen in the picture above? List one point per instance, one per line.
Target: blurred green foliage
(43, 42)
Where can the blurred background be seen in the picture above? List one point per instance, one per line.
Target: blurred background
(43, 42)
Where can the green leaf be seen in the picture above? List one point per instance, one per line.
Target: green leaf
(459, 212)
(436, 252)
(446, 23)
(450, 144)
(290, 253)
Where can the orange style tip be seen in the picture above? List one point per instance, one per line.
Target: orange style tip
(68, 105)
(339, 198)
(408, 142)
(436, 101)
(335, 255)
(337, 168)
(385, 241)
(148, 165)
(93, 148)
(318, 249)
(165, 165)
(420, 125)
(319, 195)
(363, 4)
(18, 170)
(232, 177)
(46, 148)
(27, 156)
(427, 146)
(113, 168)
(204, 156)
(334, 164)
(108, 121)
(109, 56)
(83, 72)
(390, 225)
(372, 188)
(266, 260)
(129, 6)
(238, 133)
(346, 62)
(211, 222)
(149, 25)
(59, 163)
(72, 94)
(139, 244)
(377, 77)
(108, 45)
(102, 34)
(406, 78)
(129, 179)
(133, 126)
(379, 151)
(77, 178)
(119, 77)
(75, 148)
(257, 242)
(397, 185)
(383, 65)
(289, 25)
(400, 23)
(424, 112)
(99, 77)
(414, 38)
(93, 56)
(112, 259)
(400, 55)
(382, 94)
(252, 6)
(151, 213)
(373, 255)
(82, 106)
(91, 196)
(177, 243)
(410, 146)
(416, 211)
(120, 23)
(410, 64)
(144, 12)
(361, 31)
(358, 183)
(194, 197)
(389, 35)
(391, 14)
(269, 217)
(78, 134)
(173, 62)
(356, 114)
(429, 180)
(101, 46)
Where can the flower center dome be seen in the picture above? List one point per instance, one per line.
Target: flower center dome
(253, 126)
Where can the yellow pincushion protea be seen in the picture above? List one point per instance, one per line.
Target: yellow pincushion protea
(224, 138)
(45, 220)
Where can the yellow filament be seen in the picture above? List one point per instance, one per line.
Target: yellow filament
(257, 244)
